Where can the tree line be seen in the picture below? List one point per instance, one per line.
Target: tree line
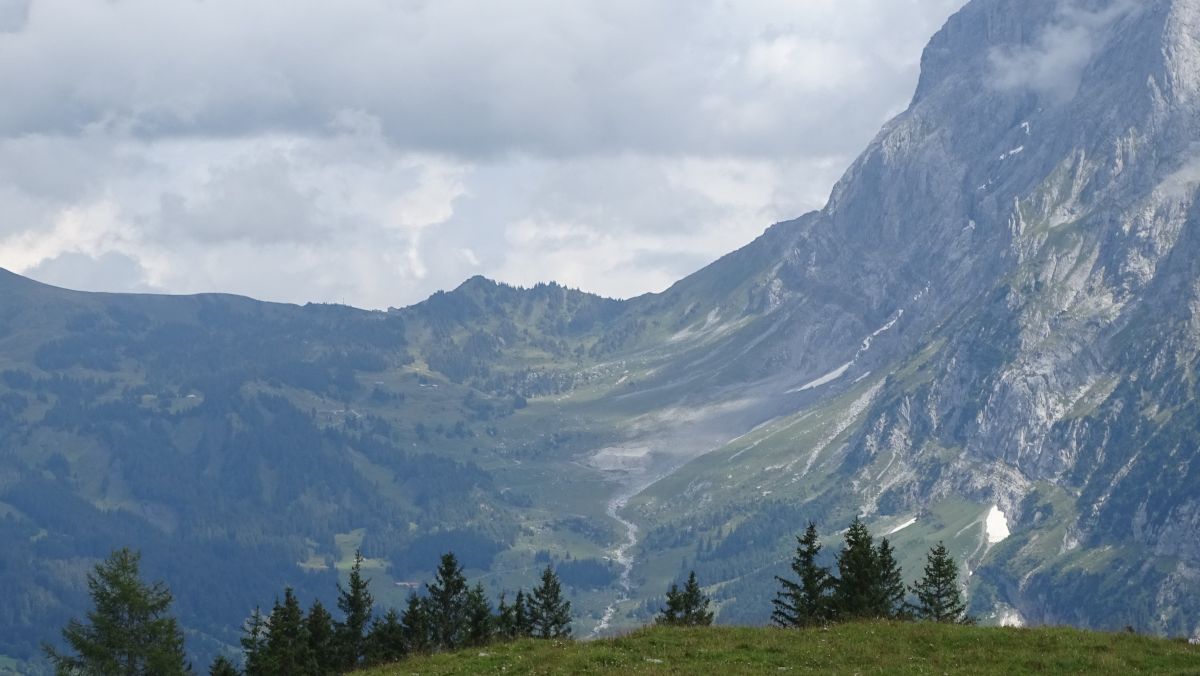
(868, 585)
(131, 633)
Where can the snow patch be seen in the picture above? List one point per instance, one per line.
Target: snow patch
(996, 526)
(841, 370)
(866, 344)
(1015, 151)
(1009, 617)
(902, 526)
(825, 379)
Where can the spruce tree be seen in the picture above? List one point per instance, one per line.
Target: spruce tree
(550, 613)
(856, 591)
(321, 639)
(890, 590)
(221, 666)
(687, 607)
(356, 603)
(480, 623)
(446, 603)
(506, 619)
(129, 633)
(254, 644)
(805, 601)
(672, 613)
(938, 596)
(386, 642)
(522, 615)
(288, 652)
(415, 623)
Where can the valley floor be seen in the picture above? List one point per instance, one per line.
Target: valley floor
(877, 648)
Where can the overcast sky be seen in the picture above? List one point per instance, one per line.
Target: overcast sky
(375, 151)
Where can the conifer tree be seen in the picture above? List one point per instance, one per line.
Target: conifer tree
(356, 603)
(287, 651)
(254, 644)
(321, 639)
(129, 633)
(550, 613)
(672, 613)
(385, 642)
(480, 623)
(221, 666)
(415, 624)
(506, 619)
(522, 615)
(938, 596)
(446, 603)
(856, 591)
(805, 601)
(687, 607)
(890, 590)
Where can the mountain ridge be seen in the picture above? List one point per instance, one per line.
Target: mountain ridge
(990, 335)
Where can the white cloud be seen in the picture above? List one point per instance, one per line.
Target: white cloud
(1053, 65)
(377, 151)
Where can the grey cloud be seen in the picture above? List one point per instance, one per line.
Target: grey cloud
(469, 78)
(110, 271)
(13, 15)
(376, 152)
(257, 202)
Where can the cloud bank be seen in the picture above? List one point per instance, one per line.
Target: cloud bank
(372, 152)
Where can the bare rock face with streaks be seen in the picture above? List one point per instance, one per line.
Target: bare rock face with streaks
(1027, 231)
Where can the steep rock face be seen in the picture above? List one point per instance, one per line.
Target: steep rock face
(1026, 235)
(1079, 160)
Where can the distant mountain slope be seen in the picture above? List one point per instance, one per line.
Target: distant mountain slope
(989, 336)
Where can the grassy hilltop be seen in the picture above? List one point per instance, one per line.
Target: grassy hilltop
(861, 648)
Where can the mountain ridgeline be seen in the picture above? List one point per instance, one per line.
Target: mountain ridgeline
(989, 337)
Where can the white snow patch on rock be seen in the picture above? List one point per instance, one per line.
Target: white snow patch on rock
(996, 526)
(1015, 151)
(902, 526)
(1009, 617)
(825, 379)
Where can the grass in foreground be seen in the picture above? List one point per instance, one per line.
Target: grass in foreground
(869, 648)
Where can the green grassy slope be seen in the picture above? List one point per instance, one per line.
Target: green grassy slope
(875, 648)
